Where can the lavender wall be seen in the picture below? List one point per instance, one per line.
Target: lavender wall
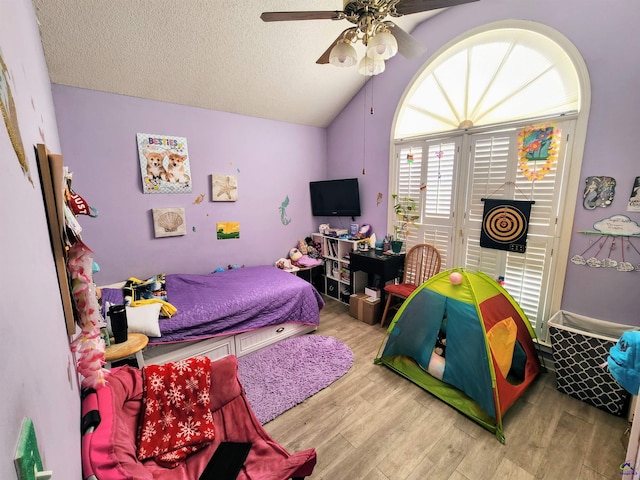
(272, 160)
(37, 375)
(603, 34)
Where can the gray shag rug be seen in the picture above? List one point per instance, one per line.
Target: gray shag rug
(283, 375)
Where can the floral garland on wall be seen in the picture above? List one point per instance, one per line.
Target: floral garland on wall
(537, 143)
(89, 345)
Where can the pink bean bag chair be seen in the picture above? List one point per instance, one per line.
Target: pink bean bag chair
(110, 417)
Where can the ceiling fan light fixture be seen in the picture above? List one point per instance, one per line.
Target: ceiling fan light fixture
(343, 54)
(370, 66)
(382, 45)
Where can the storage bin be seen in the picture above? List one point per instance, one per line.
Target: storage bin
(580, 347)
(333, 289)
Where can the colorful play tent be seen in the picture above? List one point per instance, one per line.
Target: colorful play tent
(463, 338)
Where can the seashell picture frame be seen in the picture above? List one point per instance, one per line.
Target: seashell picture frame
(169, 222)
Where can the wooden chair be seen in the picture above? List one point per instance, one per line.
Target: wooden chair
(421, 262)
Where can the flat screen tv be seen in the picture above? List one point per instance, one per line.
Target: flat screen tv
(335, 198)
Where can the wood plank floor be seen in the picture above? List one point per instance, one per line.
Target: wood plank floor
(373, 424)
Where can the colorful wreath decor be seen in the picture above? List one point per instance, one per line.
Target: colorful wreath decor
(536, 143)
(88, 344)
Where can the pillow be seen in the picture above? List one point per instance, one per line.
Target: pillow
(144, 319)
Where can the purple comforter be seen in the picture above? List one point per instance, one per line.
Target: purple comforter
(232, 301)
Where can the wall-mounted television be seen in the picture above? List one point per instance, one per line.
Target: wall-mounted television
(335, 198)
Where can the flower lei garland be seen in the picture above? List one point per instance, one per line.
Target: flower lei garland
(89, 345)
(537, 142)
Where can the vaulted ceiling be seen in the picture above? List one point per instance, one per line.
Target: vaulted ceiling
(215, 54)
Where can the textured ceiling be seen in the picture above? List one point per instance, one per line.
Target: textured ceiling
(214, 54)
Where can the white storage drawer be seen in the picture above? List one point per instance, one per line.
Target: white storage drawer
(251, 341)
(214, 348)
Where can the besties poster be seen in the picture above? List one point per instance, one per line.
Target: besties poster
(164, 163)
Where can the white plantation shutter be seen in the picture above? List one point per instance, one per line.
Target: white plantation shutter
(490, 170)
(441, 238)
(438, 202)
(494, 173)
(527, 276)
(488, 165)
(438, 221)
(410, 172)
(427, 172)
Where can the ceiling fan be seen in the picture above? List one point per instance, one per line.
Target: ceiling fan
(382, 37)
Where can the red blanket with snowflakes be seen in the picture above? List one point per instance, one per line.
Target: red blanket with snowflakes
(176, 417)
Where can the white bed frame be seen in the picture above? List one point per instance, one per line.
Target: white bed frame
(220, 346)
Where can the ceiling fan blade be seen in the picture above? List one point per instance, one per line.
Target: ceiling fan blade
(408, 46)
(324, 58)
(406, 7)
(287, 16)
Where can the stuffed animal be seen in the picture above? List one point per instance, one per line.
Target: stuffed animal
(624, 361)
(441, 344)
(313, 248)
(295, 254)
(302, 246)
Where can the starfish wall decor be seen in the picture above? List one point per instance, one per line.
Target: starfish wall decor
(224, 188)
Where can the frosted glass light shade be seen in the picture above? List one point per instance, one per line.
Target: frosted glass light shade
(382, 45)
(371, 66)
(343, 55)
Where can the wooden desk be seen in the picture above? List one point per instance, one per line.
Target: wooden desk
(387, 267)
(133, 346)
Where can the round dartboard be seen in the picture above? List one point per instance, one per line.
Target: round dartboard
(505, 224)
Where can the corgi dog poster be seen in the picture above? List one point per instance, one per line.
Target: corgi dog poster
(164, 163)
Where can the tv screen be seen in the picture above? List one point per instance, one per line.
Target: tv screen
(338, 198)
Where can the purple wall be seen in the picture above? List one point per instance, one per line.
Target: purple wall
(603, 35)
(101, 151)
(37, 376)
(272, 160)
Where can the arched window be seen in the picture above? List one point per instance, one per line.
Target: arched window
(458, 138)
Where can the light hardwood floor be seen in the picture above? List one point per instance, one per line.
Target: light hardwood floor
(373, 424)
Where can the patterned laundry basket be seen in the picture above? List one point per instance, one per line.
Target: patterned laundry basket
(580, 347)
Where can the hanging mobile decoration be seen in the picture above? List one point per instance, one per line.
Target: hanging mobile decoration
(410, 156)
(439, 154)
(592, 261)
(610, 229)
(537, 143)
(609, 262)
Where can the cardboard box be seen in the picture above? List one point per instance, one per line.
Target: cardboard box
(365, 310)
(372, 292)
(354, 303)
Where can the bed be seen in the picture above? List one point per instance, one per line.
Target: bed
(233, 312)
